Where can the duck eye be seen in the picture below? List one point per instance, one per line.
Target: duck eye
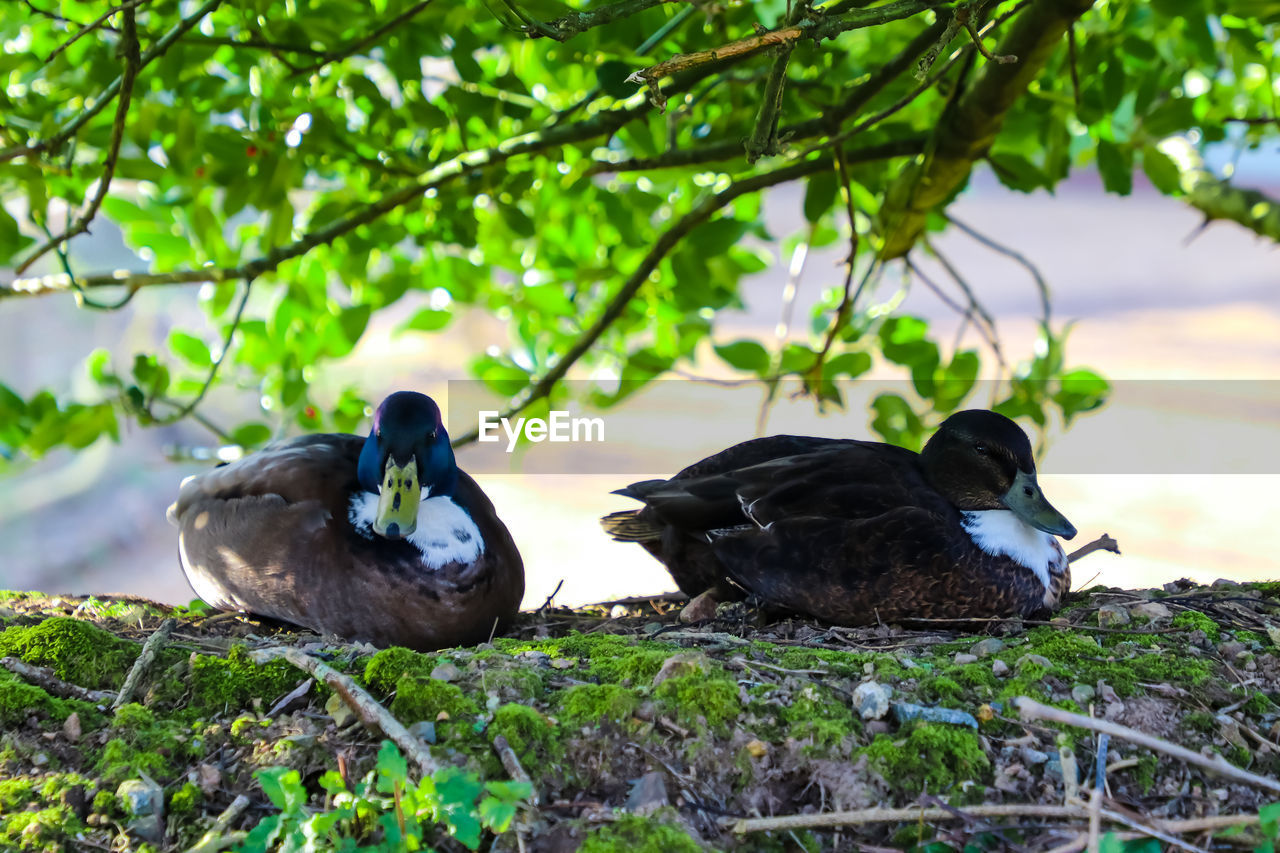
(979, 447)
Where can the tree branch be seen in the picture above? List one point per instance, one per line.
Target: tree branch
(700, 213)
(360, 44)
(108, 94)
(129, 48)
(98, 23)
(1218, 199)
(971, 122)
(764, 139)
(572, 24)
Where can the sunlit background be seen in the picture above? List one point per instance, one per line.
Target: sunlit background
(1183, 474)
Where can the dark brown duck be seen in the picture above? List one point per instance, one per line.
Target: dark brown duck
(855, 532)
(381, 538)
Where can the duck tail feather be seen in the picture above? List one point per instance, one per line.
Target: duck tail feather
(628, 526)
(638, 491)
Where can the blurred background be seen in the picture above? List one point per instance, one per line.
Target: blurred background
(1181, 466)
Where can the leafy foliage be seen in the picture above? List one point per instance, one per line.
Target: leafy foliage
(342, 157)
(384, 811)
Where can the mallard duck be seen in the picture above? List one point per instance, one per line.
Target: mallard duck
(855, 532)
(381, 538)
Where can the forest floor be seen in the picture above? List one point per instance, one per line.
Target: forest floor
(636, 732)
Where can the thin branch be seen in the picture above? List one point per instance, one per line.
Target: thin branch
(362, 43)
(937, 290)
(965, 13)
(993, 339)
(827, 26)
(129, 48)
(1029, 709)
(213, 369)
(668, 240)
(44, 678)
(528, 25)
(764, 138)
(511, 763)
(255, 44)
(1102, 543)
(95, 24)
(561, 29)
(368, 709)
(109, 93)
(144, 661)
(1013, 254)
(1072, 64)
(848, 298)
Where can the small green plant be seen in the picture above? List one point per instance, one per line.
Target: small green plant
(383, 812)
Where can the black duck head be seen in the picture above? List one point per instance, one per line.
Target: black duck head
(407, 452)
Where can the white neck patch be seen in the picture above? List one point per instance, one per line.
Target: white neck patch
(445, 532)
(999, 532)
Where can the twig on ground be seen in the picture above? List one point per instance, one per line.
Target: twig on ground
(43, 677)
(698, 637)
(368, 709)
(145, 658)
(514, 768)
(1029, 709)
(217, 838)
(546, 605)
(1102, 543)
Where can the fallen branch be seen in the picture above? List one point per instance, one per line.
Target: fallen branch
(217, 838)
(1102, 543)
(1029, 709)
(44, 678)
(514, 768)
(368, 709)
(144, 661)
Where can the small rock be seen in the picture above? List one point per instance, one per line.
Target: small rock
(1153, 610)
(871, 700)
(653, 627)
(424, 730)
(1113, 615)
(999, 668)
(648, 794)
(988, 647)
(1033, 660)
(535, 657)
(905, 712)
(339, 710)
(40, 759)
(878, 727)
(757, 748)
(963, 658)
(700, 608)
(1083, 694)
(1032, 756)
(563, 663)
(908, 663)
(1231, 648)
(71, 728)
(682, 663)
(144, 799)
(617, 611)
(209, 778)
(446, 671)
(1225, 582)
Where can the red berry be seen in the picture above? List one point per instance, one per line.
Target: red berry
(199, 171)
(251, 151)
(310, 412)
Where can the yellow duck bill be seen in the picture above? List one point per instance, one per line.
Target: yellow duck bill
(398, 500)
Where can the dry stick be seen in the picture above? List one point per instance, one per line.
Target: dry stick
(1125, 820)
(368, 709)
(144, 661)
(43, 677)
(1102, 543)
(1029, 709)
(217, 836)
(514, 768)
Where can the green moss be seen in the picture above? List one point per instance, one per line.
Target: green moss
(693, 698)
(941, 688)
(19, 700)
(589, 704)
(632, 834)
(1081, 658)
(419, 698)
(820, 717)
(1249, 637)
(385, 668)
(1194, 619)
(218, 684)
(1200, 721)
(935, 757)
(79, 652)
(185, 799)
(1144, 773)
(247, 727)
(140, 742)
(45, 829)
(835, 662)
(1258, 703)
(514, 684)
(16, 793)
(531, 736)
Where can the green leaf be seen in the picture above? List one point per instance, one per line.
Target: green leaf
(190, 348)
(12, 241)
(851, 364)
(392, 767)
(612, 77)
(353, 321)
(896, 422)
(1161, 170)
(819, 194)
(745, 355)
(1017, 172)
(426, 320)
(1115, 163)
(251, 434)
(283, 787)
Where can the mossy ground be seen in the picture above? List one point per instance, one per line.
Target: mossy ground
(733, 727)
